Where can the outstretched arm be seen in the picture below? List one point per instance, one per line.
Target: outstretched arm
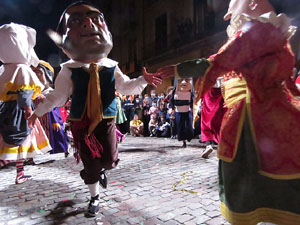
(191, 68)
(127, 86)
(151, 78)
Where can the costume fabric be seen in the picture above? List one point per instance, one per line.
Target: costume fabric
(53, 126)
(211, 115)
(259, 167)
(99, 149)
(18, 87)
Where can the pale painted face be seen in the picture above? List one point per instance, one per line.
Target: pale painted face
(40, 74)
(87, 38)
(185, 85)
(238, 7)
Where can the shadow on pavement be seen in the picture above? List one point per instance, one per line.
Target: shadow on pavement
(44, 201)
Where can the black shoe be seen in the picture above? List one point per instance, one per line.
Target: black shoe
(103, 179)
(94, 206)
(29, 162)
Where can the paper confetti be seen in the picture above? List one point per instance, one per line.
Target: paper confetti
(182, 181)
(41, 211)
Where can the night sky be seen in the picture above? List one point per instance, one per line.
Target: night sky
(40, 15)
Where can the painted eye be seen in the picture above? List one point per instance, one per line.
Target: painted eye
(74, 22)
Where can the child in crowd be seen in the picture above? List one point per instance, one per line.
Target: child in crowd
(136, 126)
(163, 128)
(19, 85)
(152, 125)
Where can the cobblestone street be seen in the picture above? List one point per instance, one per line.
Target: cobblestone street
(156, 182)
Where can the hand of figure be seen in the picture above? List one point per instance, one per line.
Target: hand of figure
(151, 78)
(40, 98)
(31, 120)
(28, 112)
(165, 72)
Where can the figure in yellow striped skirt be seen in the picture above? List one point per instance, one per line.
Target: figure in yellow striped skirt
(18, 87)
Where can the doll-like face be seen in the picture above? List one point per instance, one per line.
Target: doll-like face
(40, 74)
(238, 7)
(87, 38)
(253, 8)
(185, 85)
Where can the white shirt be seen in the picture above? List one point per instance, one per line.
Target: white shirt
(64, 85)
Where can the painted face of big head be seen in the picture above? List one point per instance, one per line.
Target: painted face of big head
(185, 85)
(86, 37)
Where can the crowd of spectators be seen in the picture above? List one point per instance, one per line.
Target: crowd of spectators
(149, 115)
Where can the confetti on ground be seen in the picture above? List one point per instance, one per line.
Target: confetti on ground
(65, 200)
(41, 211)
(120, 186)
(182, 181)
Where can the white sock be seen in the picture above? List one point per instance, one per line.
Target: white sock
(94, 189)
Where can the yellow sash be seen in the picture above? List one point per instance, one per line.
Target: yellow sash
(94, 102)
(235, 91)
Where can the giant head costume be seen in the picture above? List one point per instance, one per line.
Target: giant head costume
(84, 34)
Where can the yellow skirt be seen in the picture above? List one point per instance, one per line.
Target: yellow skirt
(36, 143)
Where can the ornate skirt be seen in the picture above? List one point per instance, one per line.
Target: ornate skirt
(35, 143)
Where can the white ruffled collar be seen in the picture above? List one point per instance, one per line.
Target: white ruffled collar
(280, 21)
(103, 62)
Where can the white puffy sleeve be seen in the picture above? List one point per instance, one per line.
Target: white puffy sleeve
(127, 86)
(59, 96)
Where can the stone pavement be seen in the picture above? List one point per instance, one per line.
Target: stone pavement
(156, 182)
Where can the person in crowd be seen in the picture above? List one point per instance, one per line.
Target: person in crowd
(153, 123)
(120, 119)
(160, 99)
(146, 116)
(173, 127)
(136, 126)
(154, 109)
(162, 110)
(139, 110)
(259, 170)
(153, 97)
(19, 86)
(129, 105)
(182, 103)
(91, 78)
(51, 122)
(163, 128)
(168, 96)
